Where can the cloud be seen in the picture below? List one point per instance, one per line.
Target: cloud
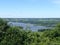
(56, 1)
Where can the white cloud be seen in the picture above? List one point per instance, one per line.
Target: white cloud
(56, 1)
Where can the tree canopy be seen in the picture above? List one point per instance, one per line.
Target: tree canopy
(17, 36)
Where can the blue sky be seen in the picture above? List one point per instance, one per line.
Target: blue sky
(30, 8)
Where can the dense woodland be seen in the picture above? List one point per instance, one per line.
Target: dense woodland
(18, 36)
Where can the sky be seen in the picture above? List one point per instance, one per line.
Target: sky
(30, 8)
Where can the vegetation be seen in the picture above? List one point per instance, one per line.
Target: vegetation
(18, 36)
(36, 21)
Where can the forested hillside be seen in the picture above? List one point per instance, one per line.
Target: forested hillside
(18, 36)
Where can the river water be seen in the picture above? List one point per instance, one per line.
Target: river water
(27, 26)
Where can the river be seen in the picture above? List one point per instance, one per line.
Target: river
(27, 26)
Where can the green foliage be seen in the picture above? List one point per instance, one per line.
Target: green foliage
(18, 36)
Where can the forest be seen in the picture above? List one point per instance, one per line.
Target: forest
(17, 36)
